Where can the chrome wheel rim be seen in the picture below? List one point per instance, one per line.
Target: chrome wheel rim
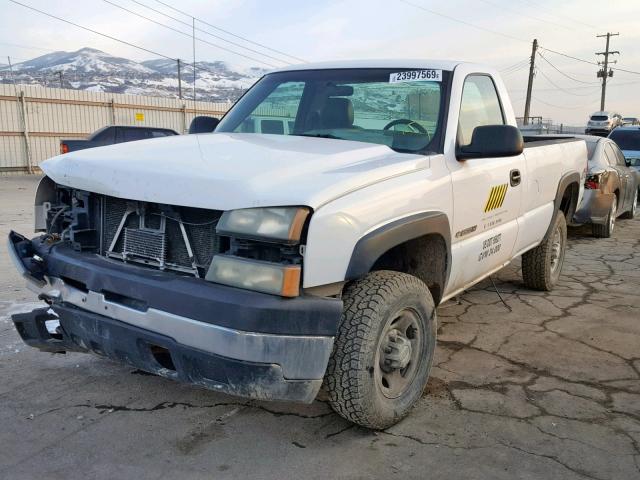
(612, 214)
(398, 353)
(556, 249)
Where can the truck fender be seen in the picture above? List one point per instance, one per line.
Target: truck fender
(375, 243)
(565, 181)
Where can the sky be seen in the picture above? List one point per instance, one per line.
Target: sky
(495, 32)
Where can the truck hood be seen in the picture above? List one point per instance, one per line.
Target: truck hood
(225, 171)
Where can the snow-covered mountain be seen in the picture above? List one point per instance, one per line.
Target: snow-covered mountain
(94, 70)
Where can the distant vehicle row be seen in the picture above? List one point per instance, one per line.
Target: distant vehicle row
(603, 123)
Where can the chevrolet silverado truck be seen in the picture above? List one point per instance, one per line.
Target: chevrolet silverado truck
(271, 265)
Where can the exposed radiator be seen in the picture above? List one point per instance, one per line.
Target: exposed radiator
(163, 236)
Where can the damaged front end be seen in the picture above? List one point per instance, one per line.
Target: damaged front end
(125, 279)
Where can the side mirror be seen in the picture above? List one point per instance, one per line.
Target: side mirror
(203, 124)
(490, 141)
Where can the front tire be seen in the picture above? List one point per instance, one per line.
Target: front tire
(383, 350)
(542, 265)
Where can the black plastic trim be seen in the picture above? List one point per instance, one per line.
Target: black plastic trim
(82, 331)
(373, 245)
(566, 180)
(195, 298)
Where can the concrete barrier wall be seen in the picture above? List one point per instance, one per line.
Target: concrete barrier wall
(33, 119)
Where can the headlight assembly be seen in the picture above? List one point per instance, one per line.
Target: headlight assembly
(266, 277)
(273, 223)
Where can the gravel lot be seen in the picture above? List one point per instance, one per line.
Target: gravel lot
(547, 388)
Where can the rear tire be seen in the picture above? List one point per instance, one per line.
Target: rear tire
(606, 230)
(631, 213)
(541, 266)
(383, 350)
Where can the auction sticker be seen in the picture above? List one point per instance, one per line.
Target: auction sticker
(416, 76)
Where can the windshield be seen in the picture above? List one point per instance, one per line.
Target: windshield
(626, 139)
(599, 118)
(399, 108)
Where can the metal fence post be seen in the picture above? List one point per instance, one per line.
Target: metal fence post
(25, 131)
(184, 118)
(113, 112)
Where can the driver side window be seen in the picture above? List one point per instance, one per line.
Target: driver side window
(480, 105)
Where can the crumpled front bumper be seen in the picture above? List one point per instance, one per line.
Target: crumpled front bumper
(235, 341)
(594, 207)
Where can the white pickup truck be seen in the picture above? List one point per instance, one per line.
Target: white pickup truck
(268, 265)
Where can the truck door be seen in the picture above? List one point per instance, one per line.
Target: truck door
(487, 192)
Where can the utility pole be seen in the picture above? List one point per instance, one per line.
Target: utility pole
(60, 75)
(194, 63)
(179, 81)
(606, 72)
(532, 70)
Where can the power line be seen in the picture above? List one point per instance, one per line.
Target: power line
(623, 70)
(27, 47)
(555, 14)
(518, 64)
(144, 49)
(231, 33)
(569, 56)
(208, 33)
(564, 74)
(563, 106)
(587, 61)
(520, 14)
(189, 35)
(562, 89)
(521, 67)
(463, 22)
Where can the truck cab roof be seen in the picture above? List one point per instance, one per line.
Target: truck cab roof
(448, 65)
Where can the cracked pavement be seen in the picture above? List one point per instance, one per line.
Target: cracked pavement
(548, 388)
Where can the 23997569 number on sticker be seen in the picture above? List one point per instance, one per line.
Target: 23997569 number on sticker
(416, 76)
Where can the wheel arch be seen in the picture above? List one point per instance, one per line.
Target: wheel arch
(404, 245)
(566, 199)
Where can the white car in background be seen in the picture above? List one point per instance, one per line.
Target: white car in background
(602, 123)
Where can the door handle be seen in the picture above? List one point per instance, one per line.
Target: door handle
(515, 177)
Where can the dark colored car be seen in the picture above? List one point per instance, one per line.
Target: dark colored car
(611, 188)
(628, 140)
(114, 134)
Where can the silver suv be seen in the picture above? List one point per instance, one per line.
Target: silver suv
(602, 123)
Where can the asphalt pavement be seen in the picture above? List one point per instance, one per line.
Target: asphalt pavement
(544, 387)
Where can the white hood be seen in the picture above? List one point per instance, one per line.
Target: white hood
(225, 171)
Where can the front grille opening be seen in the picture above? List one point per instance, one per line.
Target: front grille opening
(156, 235)
(123, 300)
(162, 356)
(75, 284)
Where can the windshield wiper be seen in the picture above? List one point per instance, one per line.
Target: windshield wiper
(318, 135)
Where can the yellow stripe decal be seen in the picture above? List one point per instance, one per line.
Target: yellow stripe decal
(487, 207)
(496, 197)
